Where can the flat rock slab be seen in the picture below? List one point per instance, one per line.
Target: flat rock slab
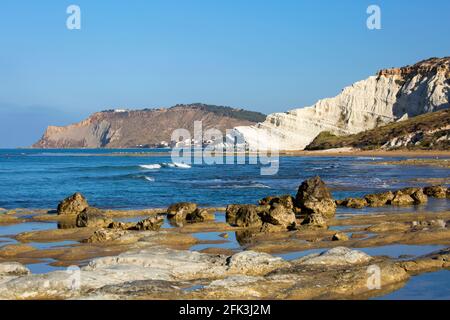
(158, 272)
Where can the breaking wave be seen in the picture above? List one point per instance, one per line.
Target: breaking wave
(156, 166)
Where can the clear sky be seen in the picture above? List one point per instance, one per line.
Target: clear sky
(264, 55)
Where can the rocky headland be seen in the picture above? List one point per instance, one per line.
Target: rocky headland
(123, 128)
(389, 96)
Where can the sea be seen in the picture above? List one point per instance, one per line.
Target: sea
(150, 178)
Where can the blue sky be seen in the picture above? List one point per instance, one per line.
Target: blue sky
(264, 55)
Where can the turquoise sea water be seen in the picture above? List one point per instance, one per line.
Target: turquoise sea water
(41, 178)
(133, 179)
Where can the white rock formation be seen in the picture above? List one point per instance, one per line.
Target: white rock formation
(388, 96)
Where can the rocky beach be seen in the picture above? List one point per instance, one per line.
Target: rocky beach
(307, 245)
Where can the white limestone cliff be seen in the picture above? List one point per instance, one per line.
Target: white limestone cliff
(386, 97)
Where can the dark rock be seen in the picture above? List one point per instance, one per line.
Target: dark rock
(402, 199)
(75, 204)
(152, 224)
(419, 197)
(339, 236)
(286, 201)
(436, 191)
(279, 215)
(179, 211)
(121, 225)
(231, 212)
(92, 217)
(410, 191)
(200, 215)
(314, 197)
(379, 199)
(248, 216)
(315, 220)
(356, 203)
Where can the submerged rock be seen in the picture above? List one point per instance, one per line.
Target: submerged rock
(436, 191)
(388, 227)
(313, 196)
(74, 204)
(92, 217)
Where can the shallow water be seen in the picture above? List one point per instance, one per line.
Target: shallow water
(44, 267)
(426, 286)
(26, 227)
(228, 243)
(397, 250)
(51, 245)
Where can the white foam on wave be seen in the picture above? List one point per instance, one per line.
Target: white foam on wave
(150, 166)
(149, 179)
(176, 165)
(155, 166)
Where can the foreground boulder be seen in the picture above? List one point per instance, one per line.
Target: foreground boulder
(92, 217)
(436, 191)
(75, 204)
(279, 215)
(313, 196)
(248, 216)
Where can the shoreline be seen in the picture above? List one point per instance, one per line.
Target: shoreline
(340, 152)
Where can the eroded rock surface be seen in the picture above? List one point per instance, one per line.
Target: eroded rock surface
(313, 196)
(74, 204)
(172, 274)
(92, 217)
